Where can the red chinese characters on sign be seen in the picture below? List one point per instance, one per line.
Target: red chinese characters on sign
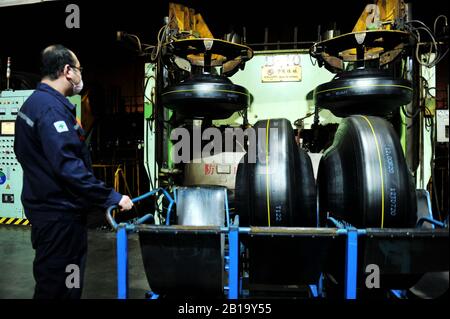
(209, 169)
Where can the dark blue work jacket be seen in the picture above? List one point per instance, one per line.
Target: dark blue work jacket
(58, 181)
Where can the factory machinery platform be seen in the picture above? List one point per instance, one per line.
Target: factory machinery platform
(209, 260)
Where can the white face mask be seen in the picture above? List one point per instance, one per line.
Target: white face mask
(77, 87)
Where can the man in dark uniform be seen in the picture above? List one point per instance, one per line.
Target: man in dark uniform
(58, 182)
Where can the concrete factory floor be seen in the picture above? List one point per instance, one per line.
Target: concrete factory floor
(16, 259)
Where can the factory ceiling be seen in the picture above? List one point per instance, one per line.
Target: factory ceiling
(26, 29)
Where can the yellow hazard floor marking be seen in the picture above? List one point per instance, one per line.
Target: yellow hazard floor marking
(14, 221)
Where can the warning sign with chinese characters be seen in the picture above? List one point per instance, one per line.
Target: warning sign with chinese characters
(282, 68)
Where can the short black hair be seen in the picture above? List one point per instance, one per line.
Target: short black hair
(53, 59)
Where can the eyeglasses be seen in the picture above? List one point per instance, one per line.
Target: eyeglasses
(78, 68)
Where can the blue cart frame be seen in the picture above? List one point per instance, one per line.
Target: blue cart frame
(232, 260)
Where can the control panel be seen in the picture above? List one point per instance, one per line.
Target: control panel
(11, 174)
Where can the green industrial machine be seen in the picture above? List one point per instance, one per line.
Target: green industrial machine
(280, 82)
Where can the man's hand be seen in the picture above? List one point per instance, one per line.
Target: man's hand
(125, 203)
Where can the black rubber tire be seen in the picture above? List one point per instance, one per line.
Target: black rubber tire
(371, 92)
(206, 96)
(242, 190)
(363, 177)
(290, 183)
(306, 190)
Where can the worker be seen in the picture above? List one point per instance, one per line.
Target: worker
(58, 182)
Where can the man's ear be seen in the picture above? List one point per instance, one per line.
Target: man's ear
(66, 69)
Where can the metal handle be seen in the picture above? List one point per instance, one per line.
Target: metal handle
(143, 219)
(431, 221)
